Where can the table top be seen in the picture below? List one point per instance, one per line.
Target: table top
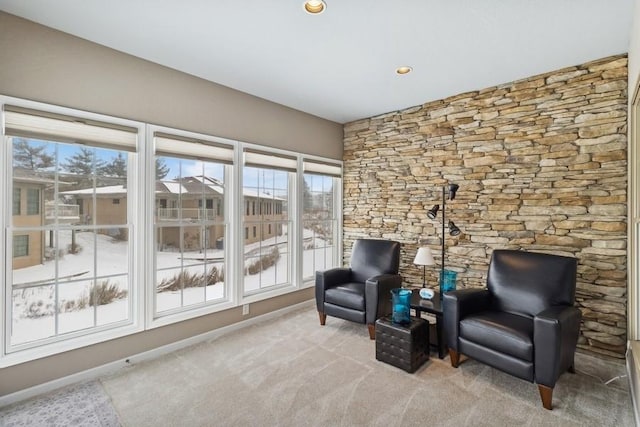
(433, 305)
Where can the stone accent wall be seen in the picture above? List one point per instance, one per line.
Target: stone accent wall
(542, 166)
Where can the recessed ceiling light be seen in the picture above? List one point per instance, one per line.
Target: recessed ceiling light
(405, 69)
(315, 7)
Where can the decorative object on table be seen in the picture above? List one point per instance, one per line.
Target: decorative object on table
(524, 323)
(424, 257)
(340, 292)
(448, 281)
(426, 293)
(400, 303)
(447, 277)
(403, 346)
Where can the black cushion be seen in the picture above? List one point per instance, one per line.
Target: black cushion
(350, 295)
(371, 257)
(504, 332)
(528, 283)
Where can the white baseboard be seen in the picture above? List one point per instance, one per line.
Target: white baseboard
(112, 367)
(633, 373)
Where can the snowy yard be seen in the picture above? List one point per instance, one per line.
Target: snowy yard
(102, 258)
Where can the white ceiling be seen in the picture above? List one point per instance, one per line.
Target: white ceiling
(340, 65)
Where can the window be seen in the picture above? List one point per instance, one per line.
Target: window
(88, 209)
(70, 276)
(33, 201)
(20, 246)
(267, 261)
(319, 217)
(16, 201)
(190, 262)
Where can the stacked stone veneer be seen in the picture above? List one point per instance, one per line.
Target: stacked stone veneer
(541, 165)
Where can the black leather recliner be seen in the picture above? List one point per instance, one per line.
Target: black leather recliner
(361, 293)
(524, 323)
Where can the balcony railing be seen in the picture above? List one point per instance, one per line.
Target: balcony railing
(64, 212)
(187, 213)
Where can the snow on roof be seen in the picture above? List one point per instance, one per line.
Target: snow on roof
(111, 189)
(172, 187)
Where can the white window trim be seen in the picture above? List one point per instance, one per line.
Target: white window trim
(293, 217)
(337, 200)
(23, 353)
(207, 307)
(141, 264)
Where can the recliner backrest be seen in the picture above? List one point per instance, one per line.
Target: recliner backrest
(371, 257)
(527, 283)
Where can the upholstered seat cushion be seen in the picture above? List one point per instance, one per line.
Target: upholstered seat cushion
(350, 295)
(504, 332)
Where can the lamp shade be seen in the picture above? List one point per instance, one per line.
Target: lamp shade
(424, 257)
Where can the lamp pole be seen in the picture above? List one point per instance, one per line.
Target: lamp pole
(444, 209)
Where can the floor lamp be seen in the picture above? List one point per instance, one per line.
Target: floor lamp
(453, 229)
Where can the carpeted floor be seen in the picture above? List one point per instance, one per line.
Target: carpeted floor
(80, 405)
(290, 371)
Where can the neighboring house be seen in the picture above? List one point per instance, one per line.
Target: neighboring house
(30, 210)
(182, 200)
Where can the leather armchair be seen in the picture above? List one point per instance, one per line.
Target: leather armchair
(361, 293)
(524, 323)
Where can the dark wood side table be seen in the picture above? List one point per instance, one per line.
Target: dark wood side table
(431, 306)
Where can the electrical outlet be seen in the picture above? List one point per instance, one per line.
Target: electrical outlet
(245, 309)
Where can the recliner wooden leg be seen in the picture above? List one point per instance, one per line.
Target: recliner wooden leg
(372, 331)
(572, 369)
(455, 358)
(323, 318)
(546, 393)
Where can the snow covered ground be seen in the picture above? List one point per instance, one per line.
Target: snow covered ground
(103, 258)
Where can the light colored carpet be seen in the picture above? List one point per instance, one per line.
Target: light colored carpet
(80, 405)
(290, 371)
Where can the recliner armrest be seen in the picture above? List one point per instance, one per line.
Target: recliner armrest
(378, 295)
(327, 279)
(555, 336)
(458, 304)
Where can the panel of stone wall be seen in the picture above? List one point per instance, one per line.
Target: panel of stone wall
(541, 165)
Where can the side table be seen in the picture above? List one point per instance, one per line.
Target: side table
(403, 346)
(431, 306)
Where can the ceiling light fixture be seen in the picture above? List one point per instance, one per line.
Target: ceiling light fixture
(405, 69)
(315, 7)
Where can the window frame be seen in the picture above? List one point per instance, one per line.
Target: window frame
(152, 318)
(26, 245)
(338, 208)
(14, 354)
(141, 261)
(36, 202)
(16, 203)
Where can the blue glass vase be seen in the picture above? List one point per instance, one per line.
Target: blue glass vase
(447, 281)
(400, 303)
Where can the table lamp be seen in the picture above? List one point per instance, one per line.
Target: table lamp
(424, 257)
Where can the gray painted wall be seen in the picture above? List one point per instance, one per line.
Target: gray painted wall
(46, 65)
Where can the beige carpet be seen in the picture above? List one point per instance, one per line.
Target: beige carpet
(291, 371)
